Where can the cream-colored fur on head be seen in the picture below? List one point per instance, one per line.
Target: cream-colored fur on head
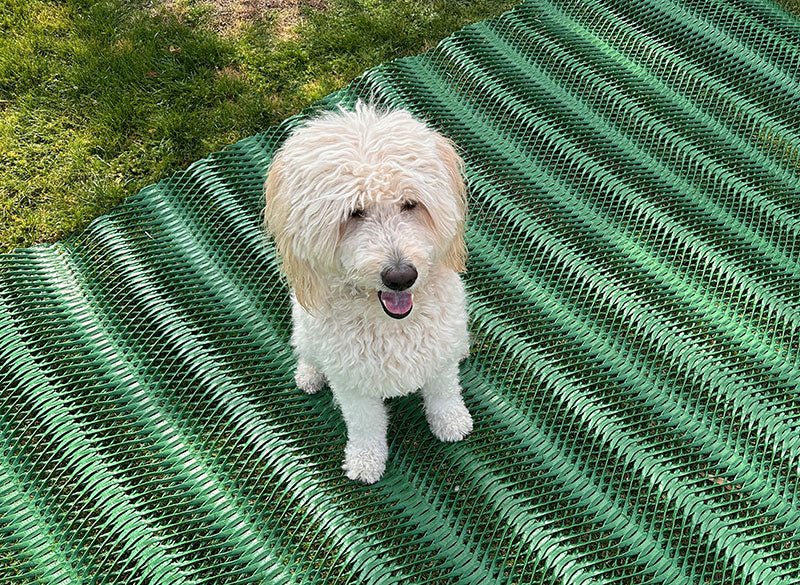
(367, 211)
(343, 161)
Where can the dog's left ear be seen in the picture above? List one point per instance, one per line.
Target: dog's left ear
(456, 255)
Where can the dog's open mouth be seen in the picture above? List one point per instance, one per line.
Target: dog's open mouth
(396, 304)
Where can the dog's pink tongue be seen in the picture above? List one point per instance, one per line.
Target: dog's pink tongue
(396, 304)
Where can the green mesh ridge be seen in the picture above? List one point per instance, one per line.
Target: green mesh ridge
(634, 283)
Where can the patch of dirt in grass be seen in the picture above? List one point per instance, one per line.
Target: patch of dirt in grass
(227, 16)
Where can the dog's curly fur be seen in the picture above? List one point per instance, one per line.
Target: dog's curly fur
(367, 211)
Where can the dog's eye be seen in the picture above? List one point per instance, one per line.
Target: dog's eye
(357, 213)
(408, 205)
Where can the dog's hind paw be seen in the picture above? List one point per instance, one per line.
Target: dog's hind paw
(308, 378)
(451, 424)
(364, 464)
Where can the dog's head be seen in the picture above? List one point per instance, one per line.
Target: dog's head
(366, 199)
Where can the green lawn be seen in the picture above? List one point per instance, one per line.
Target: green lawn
(100, 98)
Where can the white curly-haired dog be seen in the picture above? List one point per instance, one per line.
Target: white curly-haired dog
(367, 212)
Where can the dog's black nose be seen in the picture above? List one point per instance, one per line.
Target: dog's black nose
(399, 277)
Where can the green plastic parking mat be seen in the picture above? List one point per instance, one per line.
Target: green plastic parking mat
(634, 276)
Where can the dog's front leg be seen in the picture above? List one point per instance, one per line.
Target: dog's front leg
(366, 451)
(448, 417)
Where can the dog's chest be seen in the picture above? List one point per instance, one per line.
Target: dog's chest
(368, 351)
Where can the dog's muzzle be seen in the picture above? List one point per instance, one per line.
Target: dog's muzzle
(398, 302)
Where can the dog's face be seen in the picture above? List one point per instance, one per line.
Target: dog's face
(365, 200)
(389, 246)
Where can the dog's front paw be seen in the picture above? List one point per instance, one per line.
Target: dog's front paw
(450, 424)
(308, 378)
(365, 464)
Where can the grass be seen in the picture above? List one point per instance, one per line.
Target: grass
(98, 99)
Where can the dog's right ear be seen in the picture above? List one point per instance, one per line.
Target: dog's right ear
(299, 272)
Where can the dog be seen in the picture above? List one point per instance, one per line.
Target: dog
(366, 208)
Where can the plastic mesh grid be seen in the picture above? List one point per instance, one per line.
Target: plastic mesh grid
(635, 373)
